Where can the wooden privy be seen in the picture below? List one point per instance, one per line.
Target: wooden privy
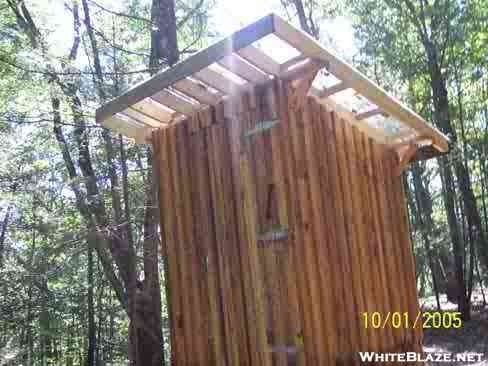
(282, 210)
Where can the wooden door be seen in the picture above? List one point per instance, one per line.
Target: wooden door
(283, 329)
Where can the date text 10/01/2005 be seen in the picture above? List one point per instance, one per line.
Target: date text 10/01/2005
(426, 320)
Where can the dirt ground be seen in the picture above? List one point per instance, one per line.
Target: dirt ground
(472, 337)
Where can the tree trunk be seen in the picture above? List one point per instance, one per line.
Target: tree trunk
(442, 118)
(3, 232)
(424, 216)
(164, 42)
(92, 339)
(443, 121)
(457, 245)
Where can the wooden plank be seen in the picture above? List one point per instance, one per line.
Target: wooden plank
(249, 205)
(188, 243)
(261, 155)
(153, 109)
(255, 271)
(205, 237)
(377, 244)
(168, 299)
(178, 345)
(218, 81)
(240, 67)
(334, 89)
(260, 59)
(232, 244)
(142, 118)
(221, 214)
(409, 268)
(394, 269)
(405, 157)
(351, 238)
(348, 116)
(391, 164)
(314, 335)
(185, 68)
(280, 251)
(302, 336)
(197, 91)
(174, 102)
(357, 80)
(186, 316)
(291, 62)
(336, 246)
(302, 86)
(248, 243)
(370, 113)
(359, 216)
(312, 65)
(131, 129)
(367, 235)
(338, 206)
(311, 117)
(286, 260)
(408, 265)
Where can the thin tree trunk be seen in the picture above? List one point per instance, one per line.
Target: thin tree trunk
(443, 121)
(92, 339)
(3, 233)
(457, 247)
(424, 208)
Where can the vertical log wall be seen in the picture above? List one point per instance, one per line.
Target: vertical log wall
(240, 297)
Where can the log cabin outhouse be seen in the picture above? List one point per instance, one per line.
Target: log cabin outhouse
(283, 216)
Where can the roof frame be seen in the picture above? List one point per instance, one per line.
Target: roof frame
(188, 67)
(256, 66)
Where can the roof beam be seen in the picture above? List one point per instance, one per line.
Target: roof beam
(174, 102)
(357, 80)
(131, 129)
(260, 59)
(217, 80)
(370, 113)
(197, 91)
(334, 89)
(185, 68)
(241, 68)
(143, 118)
(153, 109)
(293, 61)
(303, 69)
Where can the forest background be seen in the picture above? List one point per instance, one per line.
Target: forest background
(79, 233)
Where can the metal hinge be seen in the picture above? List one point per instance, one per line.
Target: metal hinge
(274, 235)
(261, 126)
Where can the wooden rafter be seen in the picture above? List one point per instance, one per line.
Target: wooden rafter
(370, 113)
(300, 87)
(142, 118)
(259, 59)
(217, 81)
(240, 67)
(131, 129)
(293, 61)
(334, 89)
(174, 102)
(197, 91)
(309, 47)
